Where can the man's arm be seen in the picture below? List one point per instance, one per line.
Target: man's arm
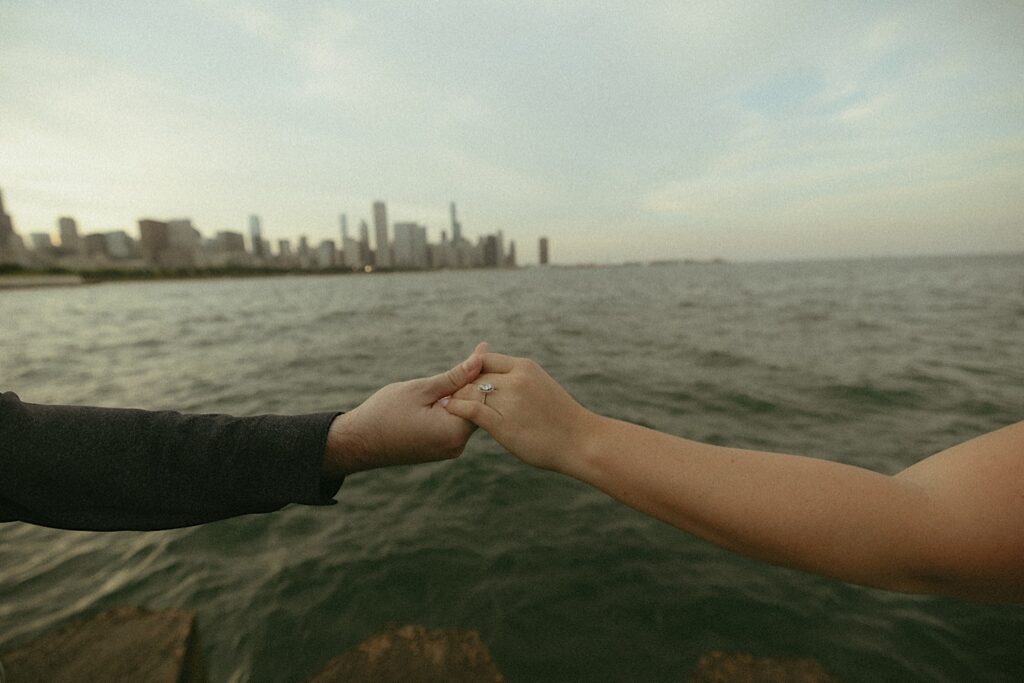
(85, 468)
(76, 467)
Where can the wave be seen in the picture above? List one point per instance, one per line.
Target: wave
(723, 359)
(869, 395)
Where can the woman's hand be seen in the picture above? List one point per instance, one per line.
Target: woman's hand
(528, 412)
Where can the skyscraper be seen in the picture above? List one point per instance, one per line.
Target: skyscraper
(543, 251)
(326, 254)
(490, 251)
(228, 241)
(255, 236)
(411, 246)
(120, 245)
(70, 241)
(154, 239)
(344, 227)
(12, 249)
(380, 226)
(456, 226)
(364, 242)
(41, 242)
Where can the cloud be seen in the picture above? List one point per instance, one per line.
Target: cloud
(575, 118)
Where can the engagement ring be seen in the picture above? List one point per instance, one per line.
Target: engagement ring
(486, 387)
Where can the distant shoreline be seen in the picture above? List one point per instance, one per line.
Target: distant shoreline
(27, 279)
(21, 278)
(15, 278)
(35, 280)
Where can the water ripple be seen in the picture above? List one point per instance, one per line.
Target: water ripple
(876, 363)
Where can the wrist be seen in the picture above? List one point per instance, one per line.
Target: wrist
(346, 451)
(586, 446)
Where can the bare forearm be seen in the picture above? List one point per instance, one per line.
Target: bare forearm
(952, 523)
(810, 514)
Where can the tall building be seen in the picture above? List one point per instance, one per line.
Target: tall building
(228, 241)
(543, 251)
(183, 243)
(364, 242)
(255, 236)
(465, 254)
(456, 226)
(326, 254)
(351, 250)
(442, 255)
(491, 251)
(182, 235)
(411, 246)
(119, 245)
(380, 227)
(70, 241)
(12, 249)
(352, 254)
(510, 258)
(154, 239)
(96, 245)
(42, 242)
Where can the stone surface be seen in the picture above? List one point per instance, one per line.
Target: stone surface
(721, 667)
(122, 644)
(413, 654)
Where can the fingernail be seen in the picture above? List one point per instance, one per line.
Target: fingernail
(444, 402)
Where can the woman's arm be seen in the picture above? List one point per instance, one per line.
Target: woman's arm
(951, 524)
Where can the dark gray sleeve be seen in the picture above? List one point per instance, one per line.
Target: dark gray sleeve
(109, 469)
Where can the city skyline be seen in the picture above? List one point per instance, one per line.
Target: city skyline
(176, 244)
(622, 132)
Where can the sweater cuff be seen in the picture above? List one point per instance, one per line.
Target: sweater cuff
(301, 482)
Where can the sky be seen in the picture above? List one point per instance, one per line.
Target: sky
(620, 130)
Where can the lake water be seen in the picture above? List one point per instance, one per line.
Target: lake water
(876, 363)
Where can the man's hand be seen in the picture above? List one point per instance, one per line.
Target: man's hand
(402, 424)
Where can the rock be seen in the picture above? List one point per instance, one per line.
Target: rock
(721, 667)
(412, 654)
(122, 644)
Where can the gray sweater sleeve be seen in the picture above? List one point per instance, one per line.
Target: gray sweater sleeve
(107, 469)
